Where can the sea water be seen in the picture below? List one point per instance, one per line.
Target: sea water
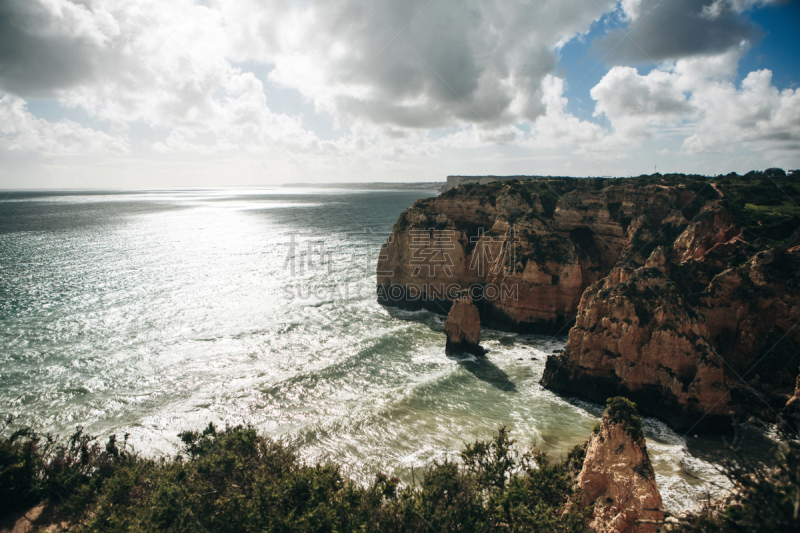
(150, 313)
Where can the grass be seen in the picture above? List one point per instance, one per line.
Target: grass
(787, 209)
(623, 411)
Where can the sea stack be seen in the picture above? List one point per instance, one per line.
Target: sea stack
(617, 479)
(463, 327)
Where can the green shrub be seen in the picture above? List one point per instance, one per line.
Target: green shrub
(235, 480)
(35, 467)
(623, 411)
(20, 465)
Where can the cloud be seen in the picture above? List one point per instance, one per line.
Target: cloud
(659, 30)
(634, 103)
(21, 131)
(163, 65)
(422, 64)
(558, 128)
(472, 137)
(398, 66)
(719, 7)
(196, 76)
(415, 64)
(46, 46)
(754, 116)
(700, 97)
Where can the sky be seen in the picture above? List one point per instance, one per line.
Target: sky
(143, 94)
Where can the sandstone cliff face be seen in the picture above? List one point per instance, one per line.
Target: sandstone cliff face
(713, 230)
(750, 308)
(527, 265)
(672, 306)
(617, 479)
(683, 334)
(635, 336)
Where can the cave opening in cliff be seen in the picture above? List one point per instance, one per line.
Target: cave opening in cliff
(583, 237)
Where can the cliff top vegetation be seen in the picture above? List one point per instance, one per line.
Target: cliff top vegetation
(766, 205)
(620, 410)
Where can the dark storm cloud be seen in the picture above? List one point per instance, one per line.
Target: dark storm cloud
(454, 62)
(41, 52)
(672, 29)
(427, 75)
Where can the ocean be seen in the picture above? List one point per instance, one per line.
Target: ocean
(154, 312)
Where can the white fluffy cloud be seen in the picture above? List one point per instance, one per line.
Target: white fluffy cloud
(557, 127)
(700, 94)
(718, 7)
(633, 103)
(164, 65)
(756, 115)
(21, 131)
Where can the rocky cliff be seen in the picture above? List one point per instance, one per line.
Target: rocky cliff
(681, 292)
(534, 252)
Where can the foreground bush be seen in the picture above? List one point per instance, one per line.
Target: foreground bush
(763, 499)
(36, 467)
(236, 480)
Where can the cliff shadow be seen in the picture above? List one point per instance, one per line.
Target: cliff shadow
(484, 370)
(750, 441)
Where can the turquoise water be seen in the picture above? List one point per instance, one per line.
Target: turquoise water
(155, 312)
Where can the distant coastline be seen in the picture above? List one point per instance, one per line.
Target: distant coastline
(372, 186)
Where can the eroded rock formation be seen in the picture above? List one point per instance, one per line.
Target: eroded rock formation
(463, 328)
(673, 304)
(617, 479)
(635, 335)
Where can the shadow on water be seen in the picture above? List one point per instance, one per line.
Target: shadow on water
(751, 442)
(485, 370)
(435, 322)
